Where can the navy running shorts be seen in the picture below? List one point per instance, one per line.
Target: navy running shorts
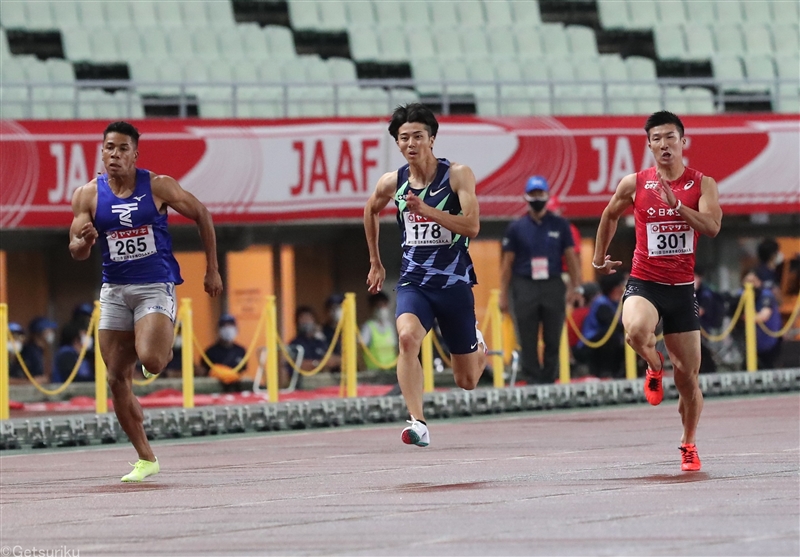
(676, 304)
(453, 307)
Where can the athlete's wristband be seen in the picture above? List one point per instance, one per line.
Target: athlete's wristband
(599, 266)
(678, 206)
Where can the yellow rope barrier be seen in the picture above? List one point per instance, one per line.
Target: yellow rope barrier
(605, 337)
(731, 325)
(248, 354)
(441, 352)
(325, 358)
(144, 382)
(368, 354)
(785, 329)
(72, 375)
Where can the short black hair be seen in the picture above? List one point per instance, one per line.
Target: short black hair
(125, 129)
(660, 118)
(767, 249)
(378, 298)
(413, 112)
(304, 309)
(609, 282)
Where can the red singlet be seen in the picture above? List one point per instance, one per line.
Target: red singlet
(665, 243)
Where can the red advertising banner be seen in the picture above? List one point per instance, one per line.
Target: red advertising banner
(324, 170)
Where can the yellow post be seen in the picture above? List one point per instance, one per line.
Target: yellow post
(563, 356)
(349, 337)
(751, 355)
(497, 338)
(187, 354)
(630, 362)
(427, 362)
(100, 374)
(4, 398)
(271, 346)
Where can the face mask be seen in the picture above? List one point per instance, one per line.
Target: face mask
(87, 342)
(307, 328)
(178, 342)
(337, 314)
(383, 314)
(227, 333)
(14, 346)
(537, 204)
(49, 336)
(779, 258)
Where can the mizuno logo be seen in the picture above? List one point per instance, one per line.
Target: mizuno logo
(124, 211)
(437, 192)
(140, 197)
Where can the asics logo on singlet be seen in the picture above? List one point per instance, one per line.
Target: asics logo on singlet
(651, 185)
(124, 211)
(689, 184)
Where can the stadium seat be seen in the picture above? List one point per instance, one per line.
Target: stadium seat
(788, 66)
(566, 95)
(420, 43)
(389, 12)
(105, 45)
(728, 39)
(620, 99)
(582, 40)
(648, 98)
(529, 44)
(230, 45)
(392, 44)
(729, 11)
(194, 14)
(255, 41)
(416, 14)
(700, 100)
(342, 70)
(220, 13)
(359, 13)
(589, 71)
(93, 14)
(474, 43)
(785, 12)
(554, 41)
(310, 102)
(179, 43)
(756, 11)
(245, 71)
(260, 102)
(272, 71)
(280, 41)
(786, 38)
(470, 13)
(170, 15)
(333, 16)
(143, 14)
(364, 44)
(219, 72)
(303, 14)
(60, 71)
(526, 13)
(613, 14)
(669, 42)
(671, 12)
(5, 51)
(536, 73)
(455, 73)
(498, 12)
(66, 13)
(699, 41)
(205, 44)
(448, 44)
(146, 76)
(427, 72)
(700, 11)
(757, 39)
(614, 68)
(643, 14)
(39, 16)
(675, 101)
(399, 96)
(760, 67)
(76, 43)
(443, 13)
(640, 68)
(156, 48)
(501, 42)
(13, 15)
(317, 69)
(728, 67)
(294, 73)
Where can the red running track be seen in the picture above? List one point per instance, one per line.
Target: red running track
(603, 481)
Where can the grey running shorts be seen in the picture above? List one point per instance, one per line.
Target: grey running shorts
(122, 305)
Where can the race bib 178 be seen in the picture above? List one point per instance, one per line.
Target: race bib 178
(423, 232)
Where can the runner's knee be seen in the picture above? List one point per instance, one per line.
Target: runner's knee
(637, 336)
(408, 341)
(685, 382)
(153, 361)
(466, 381)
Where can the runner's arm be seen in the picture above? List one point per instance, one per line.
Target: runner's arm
(82, 233)
(708, 217)
(167, 190)
(468, 224)
(380, 198)
(620, 201)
